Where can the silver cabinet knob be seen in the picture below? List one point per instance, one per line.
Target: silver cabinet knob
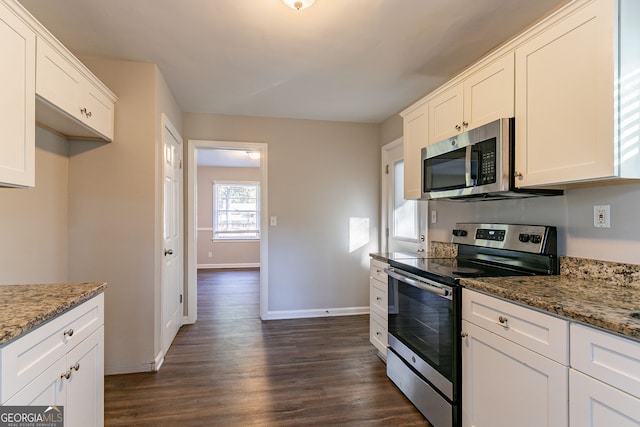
(465, 124)
(68, 333)
(503, 319)
(464, 334)
(65, 375)
(75, 367)
(168, 252)
(458, 127)
(518, 175)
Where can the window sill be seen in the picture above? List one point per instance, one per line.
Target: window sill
(235, 240)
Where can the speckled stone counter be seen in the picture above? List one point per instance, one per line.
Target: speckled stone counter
(436, 250)
(25, 307)
(598, 293)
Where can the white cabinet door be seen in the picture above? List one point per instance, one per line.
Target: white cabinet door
(446, 112)
(48, 388)
(99, 110)
(57, 81)
(489, 94)
(595, 404)
(416, 136)
(506, 385)
(85, 386)
(565, 100)
(17, 101)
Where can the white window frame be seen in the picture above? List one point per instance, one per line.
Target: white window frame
(216, 235)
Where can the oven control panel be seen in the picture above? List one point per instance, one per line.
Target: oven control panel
(537, 239)
(488, 234)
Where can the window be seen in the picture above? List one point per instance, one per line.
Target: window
(236, 208)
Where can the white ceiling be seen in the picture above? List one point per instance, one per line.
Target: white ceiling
(345, 60)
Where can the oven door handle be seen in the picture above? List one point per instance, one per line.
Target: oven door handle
(433, 287)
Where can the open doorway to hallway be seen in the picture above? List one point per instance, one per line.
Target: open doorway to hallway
(226, 218)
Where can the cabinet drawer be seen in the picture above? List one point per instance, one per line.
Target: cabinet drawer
(22, 360)
(378, 332)
(539, 332)
(378, 299)
(376, 271)
(610, 358)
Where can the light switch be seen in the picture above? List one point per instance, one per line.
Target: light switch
(273, 221)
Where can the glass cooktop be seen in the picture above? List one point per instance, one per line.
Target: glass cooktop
(450, 269)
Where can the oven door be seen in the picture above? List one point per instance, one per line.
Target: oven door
(424, 321)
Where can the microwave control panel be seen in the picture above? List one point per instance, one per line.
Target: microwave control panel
(484, 157)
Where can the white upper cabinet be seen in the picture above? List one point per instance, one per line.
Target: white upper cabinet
(17, 102)
(79, 108)
(415, 137)
(446, 114)
(486, 94)
(71, 101)
(577, 94)
(489, 92)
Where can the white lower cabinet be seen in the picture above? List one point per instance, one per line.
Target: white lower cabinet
(604, 386)
(505, 383)
(593, 403)
(60, 363)
(378, 306)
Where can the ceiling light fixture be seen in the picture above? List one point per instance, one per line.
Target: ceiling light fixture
(298, 4)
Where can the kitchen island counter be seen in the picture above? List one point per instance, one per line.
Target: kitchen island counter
(25, 307)
(597, 293)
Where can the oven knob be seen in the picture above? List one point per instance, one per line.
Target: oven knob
(536, 238)
(524, 238)
(460, 233)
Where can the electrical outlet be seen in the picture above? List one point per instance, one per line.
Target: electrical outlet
(602, 216)
(434, 217)
(210, 254)
(273, 221)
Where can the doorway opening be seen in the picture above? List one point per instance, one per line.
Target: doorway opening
(226, 213)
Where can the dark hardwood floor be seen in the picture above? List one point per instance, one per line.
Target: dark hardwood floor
(232, 369)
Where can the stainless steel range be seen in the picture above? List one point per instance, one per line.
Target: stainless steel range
(423, 357)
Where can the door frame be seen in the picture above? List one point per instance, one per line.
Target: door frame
(191, 223)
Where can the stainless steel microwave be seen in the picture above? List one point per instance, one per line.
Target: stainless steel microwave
(475, 165)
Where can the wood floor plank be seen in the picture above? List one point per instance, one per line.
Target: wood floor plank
(232, 369)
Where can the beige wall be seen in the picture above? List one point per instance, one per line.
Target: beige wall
(114, 224)
(33, 222)
(320, 175)
(223, 254)
(390, 129)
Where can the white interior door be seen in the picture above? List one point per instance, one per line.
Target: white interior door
(406, 222)
(172, 256)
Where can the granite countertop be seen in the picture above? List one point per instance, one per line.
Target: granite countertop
(436, 250)
(604, 303)
(25, 307)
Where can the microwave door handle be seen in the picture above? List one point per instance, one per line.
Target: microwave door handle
(467, 166)
(418, 283)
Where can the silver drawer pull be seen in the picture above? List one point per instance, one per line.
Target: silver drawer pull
(65, 375)
(68, 333)
(503, 319)
(75, 367)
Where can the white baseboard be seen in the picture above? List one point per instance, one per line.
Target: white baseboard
(159, 361)
(238, 265)
(328, 312)
(117, 370)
